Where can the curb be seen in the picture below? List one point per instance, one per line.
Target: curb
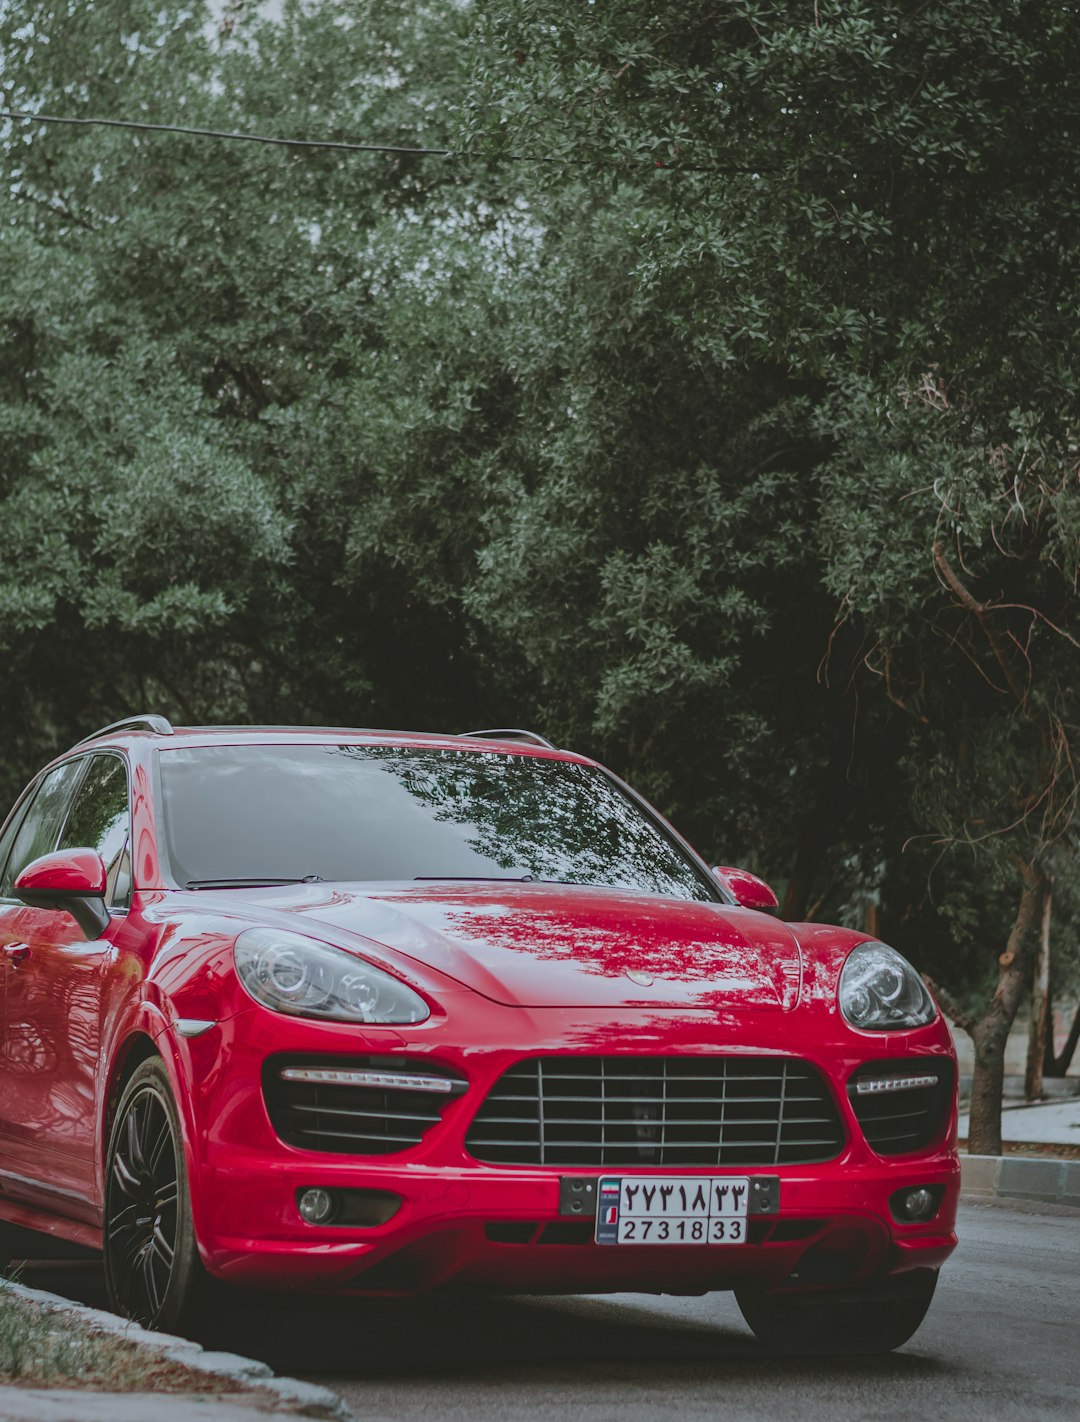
(1016, 1177)
(308, 1399)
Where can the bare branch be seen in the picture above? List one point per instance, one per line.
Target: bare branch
(962, 1019)
(965, 598)
(1036, 616)
(952, 637)
(884, 671)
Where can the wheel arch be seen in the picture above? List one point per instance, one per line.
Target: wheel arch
(137, 1048)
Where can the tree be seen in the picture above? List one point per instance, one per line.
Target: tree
(221, 362)
(712, 407)
(867, 206)
(977, 648)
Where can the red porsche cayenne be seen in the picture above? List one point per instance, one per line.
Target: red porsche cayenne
(380, 1013)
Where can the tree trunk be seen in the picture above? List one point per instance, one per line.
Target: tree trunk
(1040, 1008)
(1058, 1066)
(991, 1032)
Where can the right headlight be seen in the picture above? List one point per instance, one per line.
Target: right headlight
(881, 992)
(305, 978)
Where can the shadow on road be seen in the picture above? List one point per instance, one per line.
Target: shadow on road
(490, 1340)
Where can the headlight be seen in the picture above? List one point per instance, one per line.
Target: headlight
(290, 973)
(880, 991)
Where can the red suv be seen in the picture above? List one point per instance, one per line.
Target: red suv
(379, 1013)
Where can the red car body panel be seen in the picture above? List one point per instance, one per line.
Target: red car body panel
(510, 972)
(536, 945)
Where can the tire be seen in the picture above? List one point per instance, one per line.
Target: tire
(152, 1268)
(7, 1247)
(875, 1319)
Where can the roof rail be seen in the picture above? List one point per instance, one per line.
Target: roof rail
(508, 734)
(158, 724)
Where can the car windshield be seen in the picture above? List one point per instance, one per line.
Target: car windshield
(261, 814)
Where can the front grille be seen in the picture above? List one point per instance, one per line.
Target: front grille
(352, 1120)
(657, 1111)
(898, 1122)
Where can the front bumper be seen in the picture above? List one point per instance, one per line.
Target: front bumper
(499, 1228)
(502, 1230)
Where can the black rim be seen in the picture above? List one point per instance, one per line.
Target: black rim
(141, 1214)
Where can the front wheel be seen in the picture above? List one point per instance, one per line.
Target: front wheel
(7, 1246)
(873, 1319)
(152, 1268)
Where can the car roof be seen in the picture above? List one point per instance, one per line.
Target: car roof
(203, 736)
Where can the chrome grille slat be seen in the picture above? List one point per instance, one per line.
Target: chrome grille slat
(676, 1100)
(666, 1122)
(889, 1116)
(379, 1138)
(354, 1113)
(608, 1111)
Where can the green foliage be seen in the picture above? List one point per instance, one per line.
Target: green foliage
(639, 420)
(865, 209)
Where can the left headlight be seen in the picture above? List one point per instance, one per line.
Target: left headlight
(880, 991)
(290, 973)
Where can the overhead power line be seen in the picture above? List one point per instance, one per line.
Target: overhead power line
(391, 148)
(224, 133)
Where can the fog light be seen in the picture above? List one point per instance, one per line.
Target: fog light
(915, 1206)
(316, 1206)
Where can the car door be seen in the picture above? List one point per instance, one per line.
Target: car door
(33, 829)
(52, 1023)
(8, 908)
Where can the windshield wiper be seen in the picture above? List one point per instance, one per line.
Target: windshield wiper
(250, 883)
(476, 878)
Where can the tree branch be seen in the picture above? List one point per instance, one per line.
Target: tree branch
(962, 1019)
(964, 597)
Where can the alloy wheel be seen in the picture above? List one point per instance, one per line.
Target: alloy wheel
(142, 1204)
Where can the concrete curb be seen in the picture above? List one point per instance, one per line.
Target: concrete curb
(1014, 1177)
(307, 1399)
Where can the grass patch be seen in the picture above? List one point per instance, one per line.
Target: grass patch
(1041, 1149)
(42, 1347)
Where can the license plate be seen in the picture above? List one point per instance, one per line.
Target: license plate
(681, 1209)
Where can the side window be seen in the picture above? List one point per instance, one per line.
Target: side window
(99, 820)
(40, 828)
(11, 829)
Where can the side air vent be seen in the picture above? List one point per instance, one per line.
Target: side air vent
(355, 1105)
(901, 1105)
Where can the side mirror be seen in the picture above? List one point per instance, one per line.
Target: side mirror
(750, 891)
(71, 879)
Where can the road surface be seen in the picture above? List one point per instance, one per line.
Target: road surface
(1001, 1342)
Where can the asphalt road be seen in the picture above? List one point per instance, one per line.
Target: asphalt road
(1001, 1341)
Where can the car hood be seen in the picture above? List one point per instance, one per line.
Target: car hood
(541, 945)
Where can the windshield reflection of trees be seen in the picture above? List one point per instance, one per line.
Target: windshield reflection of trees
(551, 819)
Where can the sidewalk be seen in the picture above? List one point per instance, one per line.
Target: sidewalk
(261, 1396)
(1042, 1179)
(72, 1405)
(1048, 1123)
